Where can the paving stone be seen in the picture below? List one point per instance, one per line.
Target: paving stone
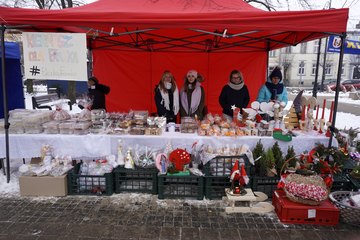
(297, 235)
(170, 233)
(209, 234)
(268, 234)
(247, 234)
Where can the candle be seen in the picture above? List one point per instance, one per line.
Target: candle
(303, 113)
(331, 111)
(323, 112)
(317, 111)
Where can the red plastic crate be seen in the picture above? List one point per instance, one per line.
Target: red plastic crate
(296, 213)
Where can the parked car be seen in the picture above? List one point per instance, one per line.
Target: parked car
(326, 83)
(347, 84)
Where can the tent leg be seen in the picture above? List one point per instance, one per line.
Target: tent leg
(2, 165)
(6, 113)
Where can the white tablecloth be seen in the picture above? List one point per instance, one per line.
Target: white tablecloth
(29, 145)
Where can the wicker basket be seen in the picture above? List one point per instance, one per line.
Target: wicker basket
(310, 180)
(348, 214)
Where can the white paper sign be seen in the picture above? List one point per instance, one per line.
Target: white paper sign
(312, 213)
(58, 56)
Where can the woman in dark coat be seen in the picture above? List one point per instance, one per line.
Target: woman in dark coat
(192, 96)
(96, 93)
(167, 97)
(234, 93)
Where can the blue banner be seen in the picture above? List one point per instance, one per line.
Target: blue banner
(351, 46)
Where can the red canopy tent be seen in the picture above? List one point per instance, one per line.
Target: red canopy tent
(133, 42)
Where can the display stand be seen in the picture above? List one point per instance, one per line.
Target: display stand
(251, 202)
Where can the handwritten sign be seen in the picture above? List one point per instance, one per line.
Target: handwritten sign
(57, 56)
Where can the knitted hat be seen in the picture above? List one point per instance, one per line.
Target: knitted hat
(192, 72)
(276, 73)
(94, 79)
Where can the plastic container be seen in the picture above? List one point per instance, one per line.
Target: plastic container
(266, 185)
(180, 187)
(296, 213)
(215, 187)
(141, 180)
(51, 127)
(222, 165)
(89, 184)
(67, 127)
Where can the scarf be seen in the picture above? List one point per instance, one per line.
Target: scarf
(274, 89)
(236, 86)
(166, 102)
(195, 99)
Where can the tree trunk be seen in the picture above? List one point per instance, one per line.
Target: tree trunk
(29, 85)
(72, 91)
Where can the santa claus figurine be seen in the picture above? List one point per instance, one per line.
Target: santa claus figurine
(239, 179)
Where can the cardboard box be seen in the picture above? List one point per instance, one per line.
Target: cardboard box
(43, 186)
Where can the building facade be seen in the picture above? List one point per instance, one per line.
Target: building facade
(299, 62)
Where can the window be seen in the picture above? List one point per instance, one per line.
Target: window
(343, 69)
(272, 53)
(301, 68)
(313, 69)
(287, 50)
(303, 47)
(328, 69)
(316, 46)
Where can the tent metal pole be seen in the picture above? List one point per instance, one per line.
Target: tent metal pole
(337, 87)
(6, 114)
(316, 84)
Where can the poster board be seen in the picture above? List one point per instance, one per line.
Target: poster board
(56, 56)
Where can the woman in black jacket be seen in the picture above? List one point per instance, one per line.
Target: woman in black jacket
(234, 93)
(167, 97)
(97, 93)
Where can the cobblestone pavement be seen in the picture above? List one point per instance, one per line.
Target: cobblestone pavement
(137, 216)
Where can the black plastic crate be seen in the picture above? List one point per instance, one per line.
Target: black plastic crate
(180, 187)
(266, 185)
(89, 184)
(221, 166)
(142, 180)
(349, 165)
(355, 183)
(341, 183)
(215, 187)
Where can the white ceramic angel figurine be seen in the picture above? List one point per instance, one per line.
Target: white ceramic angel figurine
(129, 161)
(120, 158)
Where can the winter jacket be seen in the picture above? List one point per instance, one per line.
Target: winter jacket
(161, 110)
(97, 95)
(264, 95)
(229, 97)
(200, 110)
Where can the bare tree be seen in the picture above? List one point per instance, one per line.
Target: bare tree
(42, 4)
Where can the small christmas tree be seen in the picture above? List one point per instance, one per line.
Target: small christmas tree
(258, 152)
(291, 154)
(270, 163)
(278, 155)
